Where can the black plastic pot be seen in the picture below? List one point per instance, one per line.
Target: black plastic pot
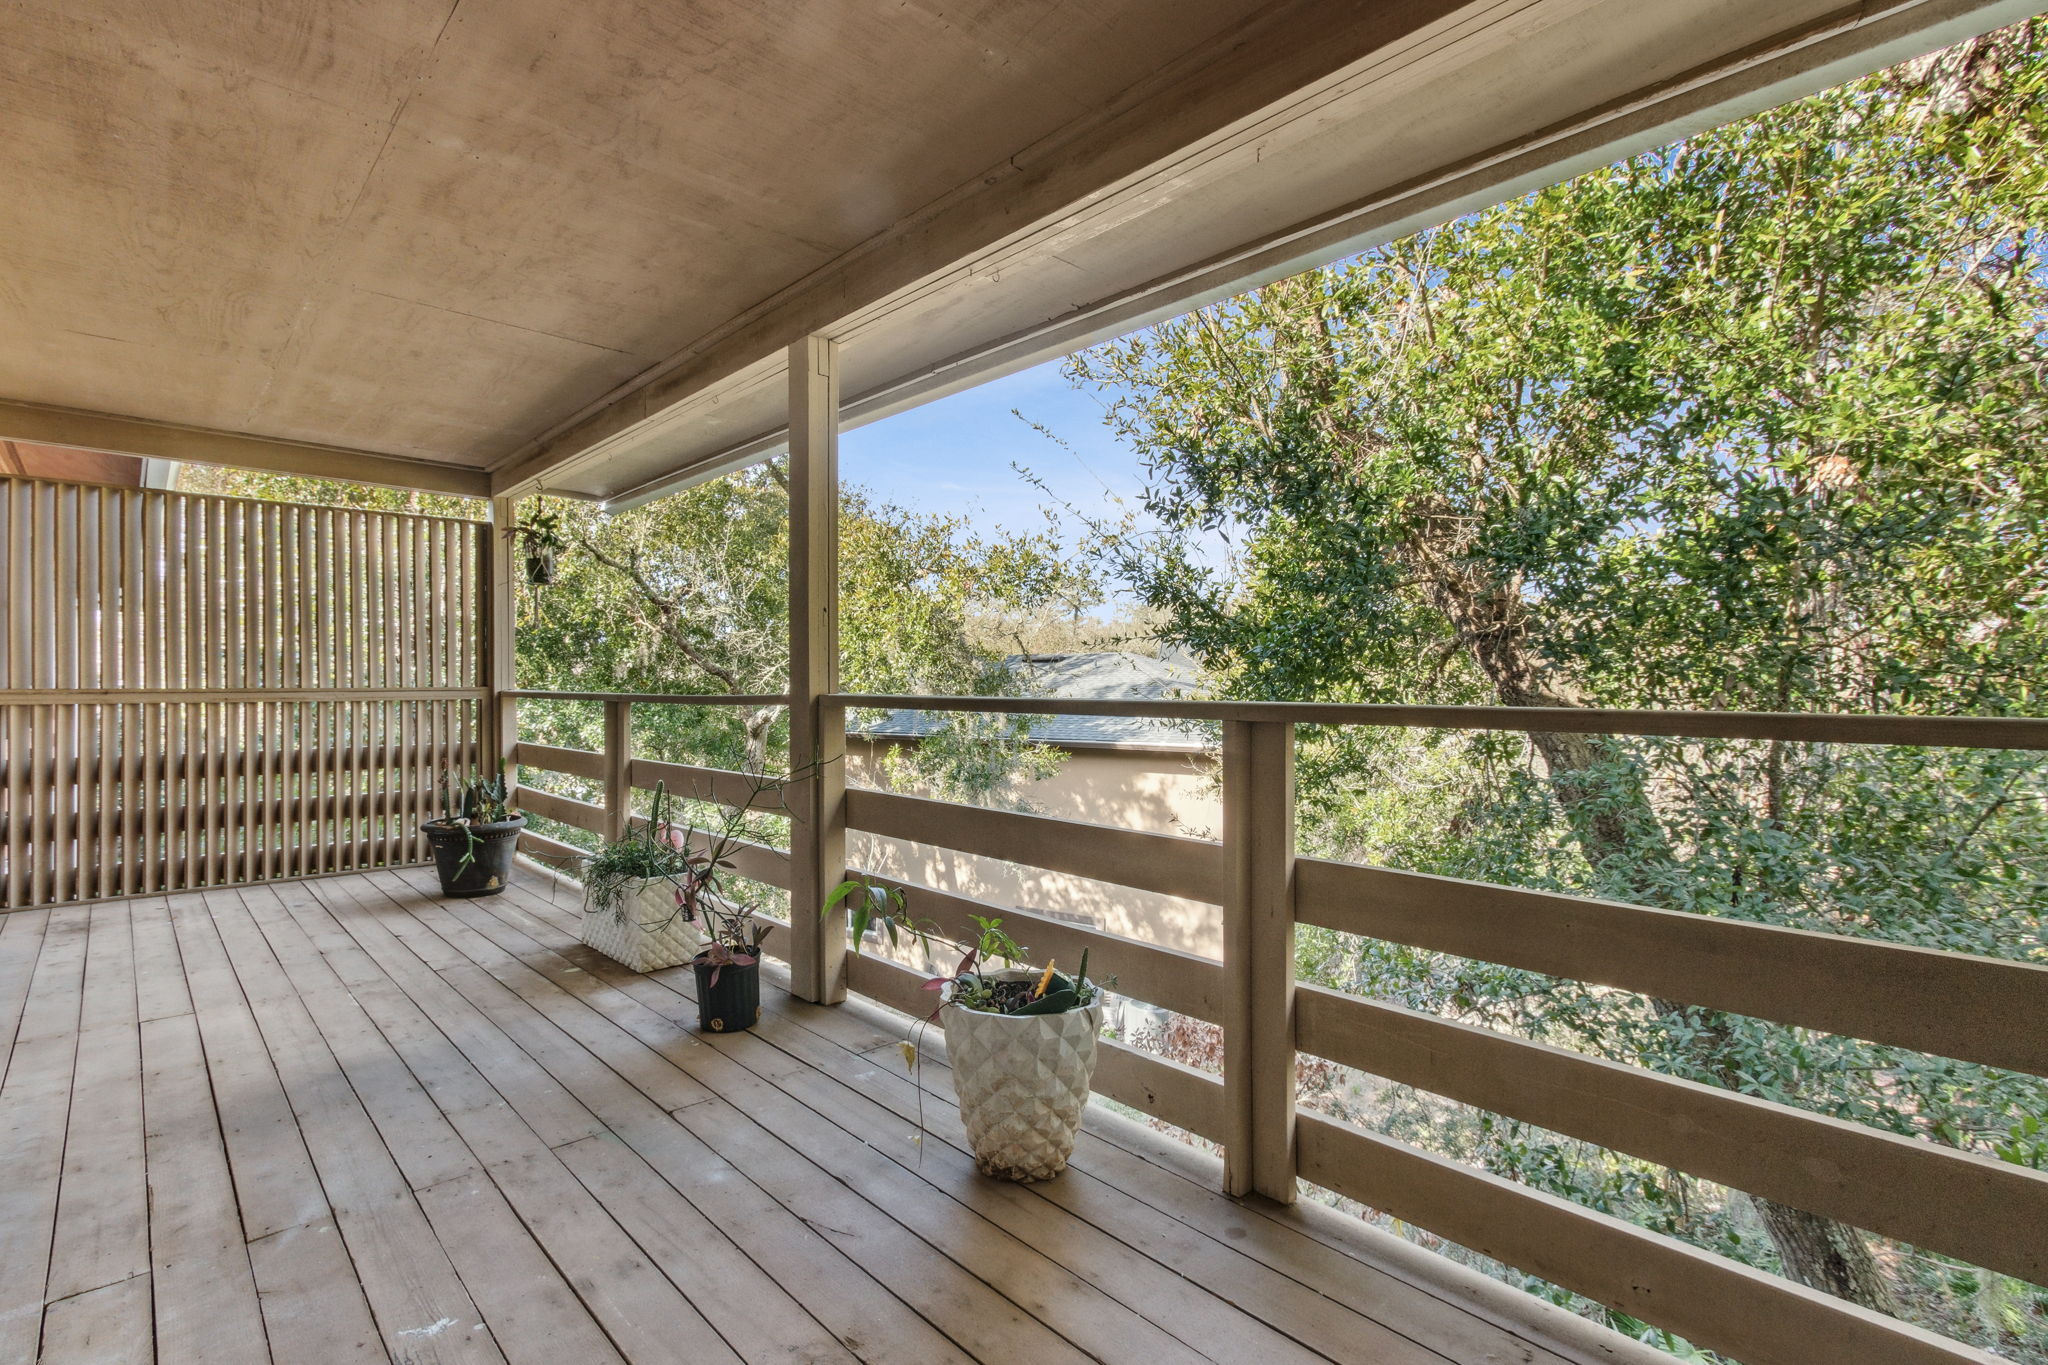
(734, 1003)
(540, 567)
(491, 848)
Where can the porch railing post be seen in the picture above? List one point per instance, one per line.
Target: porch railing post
(817, 730)
(1258, 958)
(500, 719)
(618, 764)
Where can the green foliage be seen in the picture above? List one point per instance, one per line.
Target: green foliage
(1753, 421)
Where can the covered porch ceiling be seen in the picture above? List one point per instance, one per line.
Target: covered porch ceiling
(484, 246)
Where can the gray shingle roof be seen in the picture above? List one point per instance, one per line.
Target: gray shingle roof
(1099, 676)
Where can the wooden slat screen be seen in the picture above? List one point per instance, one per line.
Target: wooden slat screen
(199, 690)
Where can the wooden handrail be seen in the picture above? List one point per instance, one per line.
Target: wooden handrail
(1750, 1314)
(1984, 1211)
(1169, 864)
(1927, 999)
(655, 698)
(1966, 732)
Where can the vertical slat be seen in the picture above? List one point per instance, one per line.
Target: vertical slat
(63, 784)
(9, 592)
(151, 800)
(817, 730)
(134, 606)
(107, 793)
(21, 569)
(17, 806)
(1258, 959)
(42, 742)
(501, 716)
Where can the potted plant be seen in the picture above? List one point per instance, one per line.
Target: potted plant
(635, 896)
(1022, 1041)
(474, 842)
(542, 538)
(658, 898)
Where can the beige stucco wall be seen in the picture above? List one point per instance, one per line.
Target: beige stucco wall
(1166, 793)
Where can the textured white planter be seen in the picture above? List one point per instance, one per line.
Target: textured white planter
(1022, 1081)
(646, 932)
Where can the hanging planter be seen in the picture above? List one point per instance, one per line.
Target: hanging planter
(540, 566)
(542, 537)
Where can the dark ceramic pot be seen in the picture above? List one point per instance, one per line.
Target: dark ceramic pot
(474, 860)
(733, 1004)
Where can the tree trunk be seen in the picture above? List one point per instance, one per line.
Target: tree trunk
(1823, 1254)
(1615, 835)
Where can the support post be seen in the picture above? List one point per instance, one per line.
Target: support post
(500, 718)
(1258, 959)
(817, 730)
(618, 764)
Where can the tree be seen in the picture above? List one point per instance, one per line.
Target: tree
(690, 594)
(1751, 421)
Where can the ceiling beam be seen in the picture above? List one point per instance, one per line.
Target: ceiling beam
(197, 445)
(1257, 64)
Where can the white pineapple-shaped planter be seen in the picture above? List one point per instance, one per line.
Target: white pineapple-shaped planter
(1022, 1082)
(646, 931)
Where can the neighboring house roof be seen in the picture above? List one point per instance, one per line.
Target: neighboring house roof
(1099, 676)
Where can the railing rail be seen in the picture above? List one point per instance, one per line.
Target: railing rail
(1980, 1210)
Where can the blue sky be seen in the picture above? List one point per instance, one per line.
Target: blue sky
(955, 455)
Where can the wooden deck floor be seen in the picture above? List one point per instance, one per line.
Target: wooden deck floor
(342, 1120)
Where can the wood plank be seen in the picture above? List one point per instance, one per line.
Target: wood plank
(205, 1292)
(276, 1185)
(817, 729)
(419, 1139)
(836, 1288)
(313, 1307)
(863, 1082)
(1980, 1210)
(102, 1232)
(1716, 1303)
(1951, 1004)
(21, 936)
(421, 1308)
(1258, 959)
(508, 1261)
(575, 762)
(1169, 864)
(722, 785)
(1067, 1301)
(981, 1321)
(1963, 732)
(105, 1326)
(529, 1306)
(1186, 983)
(567, 810)
(757, 1316)
(35, 1104)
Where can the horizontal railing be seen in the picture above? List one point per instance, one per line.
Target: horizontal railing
(1979, 1210)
